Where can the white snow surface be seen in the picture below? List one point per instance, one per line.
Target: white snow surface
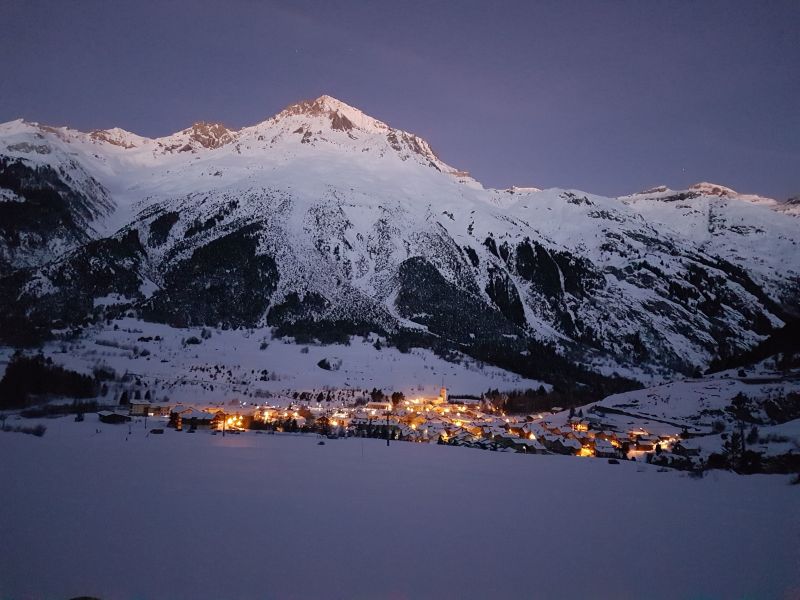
(177, 516)
(344, 199)
(308, 150)
(751, 231)
(198, 374)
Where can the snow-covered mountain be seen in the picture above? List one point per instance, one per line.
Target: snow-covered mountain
(322, 219)
(735, 227)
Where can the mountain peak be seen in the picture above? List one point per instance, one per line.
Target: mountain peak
(713, 189)
(200, 135)
(332, 103)
(699, 190)
(117, 136)
(342, 116)
(210, 135)
(318, 106)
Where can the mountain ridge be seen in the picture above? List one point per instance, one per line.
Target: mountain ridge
(323, 217)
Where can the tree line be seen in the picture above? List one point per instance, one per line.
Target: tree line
(29, 377)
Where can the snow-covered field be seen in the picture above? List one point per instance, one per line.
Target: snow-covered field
(189, 373)
(119, 515)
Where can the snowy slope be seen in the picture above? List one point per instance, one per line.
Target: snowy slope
(49, 202)
(324, 213)
(243, 364)
(733, 226)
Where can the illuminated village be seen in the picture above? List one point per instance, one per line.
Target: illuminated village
(473, 423)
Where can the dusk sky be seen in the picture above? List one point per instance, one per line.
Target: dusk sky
(607, 97)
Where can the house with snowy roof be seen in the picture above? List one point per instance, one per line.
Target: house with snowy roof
(112, 417)
(604, 449)
(682, 449)
(646, 443)
(528, 446)
(566, 446)
(196, 419)
(138, 408)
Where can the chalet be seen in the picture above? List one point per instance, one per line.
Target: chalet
(646, 443)
(485, 444)
(495, 431)
(220, 420)
(197, 419)
(434, 429)
(682, 450)
(608, 436)
(535, 429)
(604, 449)
(408, 434)
(566, 446)
(112, 418)
(145, 408)
(528, 446)
(549, 441)
(461, 438)
(159, 410)
(579, 425)
(516, 430)
(360, 418)
(139, 408)
(506, 439)
(179, 409)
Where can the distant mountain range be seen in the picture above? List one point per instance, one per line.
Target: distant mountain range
(324, 222)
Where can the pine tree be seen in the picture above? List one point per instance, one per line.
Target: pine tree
(733, 448)
(752, 437)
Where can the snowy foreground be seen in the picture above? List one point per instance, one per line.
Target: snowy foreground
(278, 516)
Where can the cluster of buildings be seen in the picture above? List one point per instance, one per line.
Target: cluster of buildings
(593, 437)
(437, 419)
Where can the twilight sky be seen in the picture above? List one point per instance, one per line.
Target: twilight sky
(608, 97)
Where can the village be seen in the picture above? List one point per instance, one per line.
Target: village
(469, 422)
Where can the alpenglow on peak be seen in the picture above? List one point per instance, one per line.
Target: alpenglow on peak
(342, 115)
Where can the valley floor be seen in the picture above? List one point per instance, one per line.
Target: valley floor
(121, 515)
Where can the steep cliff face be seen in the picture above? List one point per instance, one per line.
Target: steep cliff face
(45, 208)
